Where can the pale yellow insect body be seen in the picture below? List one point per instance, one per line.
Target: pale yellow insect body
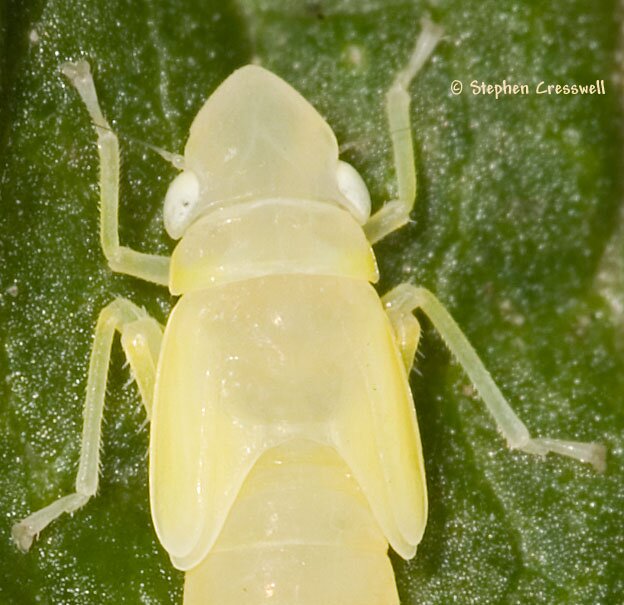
(279, 372)
(285, 455)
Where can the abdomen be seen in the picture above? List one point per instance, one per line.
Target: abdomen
(300, 533)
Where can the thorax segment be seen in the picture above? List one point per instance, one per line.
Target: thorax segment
(271, 236)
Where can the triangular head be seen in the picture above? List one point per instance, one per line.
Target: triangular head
(256, 137)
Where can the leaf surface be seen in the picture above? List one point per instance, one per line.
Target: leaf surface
(517, 229)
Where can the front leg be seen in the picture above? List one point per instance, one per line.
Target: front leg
(406, 299)
(140, 337)
(395, 214)
(150, 267)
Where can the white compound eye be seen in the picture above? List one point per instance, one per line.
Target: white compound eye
(353, 187)
(180, 203)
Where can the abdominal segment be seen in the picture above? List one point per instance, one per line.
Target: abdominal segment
(300, 533)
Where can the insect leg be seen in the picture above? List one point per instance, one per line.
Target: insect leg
(407, 298)
(141, 340)
(121, 259)
(407, 332)
(141, 336)
(395, 214)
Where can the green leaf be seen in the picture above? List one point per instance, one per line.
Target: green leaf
(518, 230)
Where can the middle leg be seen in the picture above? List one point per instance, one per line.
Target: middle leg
(405, 299)
(140, 337)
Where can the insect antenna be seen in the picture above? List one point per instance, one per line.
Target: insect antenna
(175, 159)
